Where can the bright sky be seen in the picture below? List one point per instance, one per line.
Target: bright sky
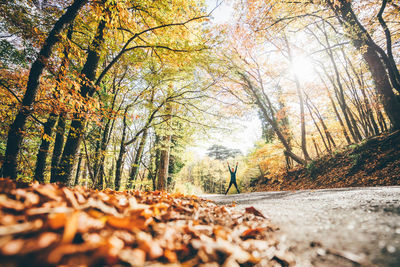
(223, 13)
(244, 131)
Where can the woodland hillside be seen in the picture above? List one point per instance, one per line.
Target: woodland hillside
(375, 162)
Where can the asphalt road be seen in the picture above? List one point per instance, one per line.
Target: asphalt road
(332, 227)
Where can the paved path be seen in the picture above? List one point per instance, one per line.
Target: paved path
(332, 227)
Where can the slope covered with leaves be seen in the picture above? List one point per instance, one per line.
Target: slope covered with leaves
(50, 225)
(374, 162)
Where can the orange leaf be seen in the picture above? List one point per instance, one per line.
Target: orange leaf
(254, 211)
(57, 220)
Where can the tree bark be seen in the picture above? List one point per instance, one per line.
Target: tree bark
(77, 127)
(164, 153)
(271, 120)
(346, 135)
(53, 117)
(363, 42)
(301, 102)
(15, 133)
(138, 158)
(78, 170)
(391, 65)
(121, 155)
(44, 148)
(58, 145)
(328, 147)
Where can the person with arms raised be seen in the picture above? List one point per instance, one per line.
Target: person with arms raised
(233, 178)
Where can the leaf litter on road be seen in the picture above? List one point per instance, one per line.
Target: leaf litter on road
(51, 225)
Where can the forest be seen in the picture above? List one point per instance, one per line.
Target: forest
(114, 94)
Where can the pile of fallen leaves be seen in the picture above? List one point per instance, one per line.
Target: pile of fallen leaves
(50, 224)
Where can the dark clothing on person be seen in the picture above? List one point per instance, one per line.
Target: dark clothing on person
(229, 187)
(233, 180)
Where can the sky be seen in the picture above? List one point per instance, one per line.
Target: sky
(244, 132)
(221, 14)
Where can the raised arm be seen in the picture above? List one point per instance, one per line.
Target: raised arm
(237, 163)
(229, 167)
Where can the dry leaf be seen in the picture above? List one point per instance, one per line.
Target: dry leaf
(254, 211)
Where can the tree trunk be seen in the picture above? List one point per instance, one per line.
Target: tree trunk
(138, 158)
(163, 164)
(328, 147)
(339, 90)
(390, 63)
(301, 102)
(58, 146)
(346, 135)
(77, 130)
(44, 148)
(272, 121)
(49, 125)
(15, 133)
(122, 150)
(84, 173)
(316, 147)
(154, 154)
(78, 170)
(360, 81)
(106, 134)
(363, 42)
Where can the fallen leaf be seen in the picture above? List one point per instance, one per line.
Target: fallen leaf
(254, 211)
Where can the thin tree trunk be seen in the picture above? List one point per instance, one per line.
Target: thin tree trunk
(121, 155)
(165, 153)
(84, 173)
(360, 81)
(370, 114)
(316, 147)
(339, 90)
(346, 135)
(328, 147)
(301, 102)
(381, 120)
(138, 158)
(342, 104)
(78, 170)
(326, 130)
(58, 145)
(391, 65)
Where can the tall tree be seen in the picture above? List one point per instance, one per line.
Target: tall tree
(373, 56)
(77, 127)
(162, 173)
(15, 133)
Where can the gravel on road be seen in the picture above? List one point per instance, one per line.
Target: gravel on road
(332, 227)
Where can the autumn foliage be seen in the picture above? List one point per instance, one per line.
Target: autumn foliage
(374, 162)
(55, 225)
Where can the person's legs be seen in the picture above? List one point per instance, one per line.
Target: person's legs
(230, 184)
(237, 189)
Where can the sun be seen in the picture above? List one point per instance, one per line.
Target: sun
(303, 68)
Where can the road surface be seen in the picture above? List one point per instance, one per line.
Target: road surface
(332, 227)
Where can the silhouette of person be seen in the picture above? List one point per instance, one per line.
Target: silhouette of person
(233, 177)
